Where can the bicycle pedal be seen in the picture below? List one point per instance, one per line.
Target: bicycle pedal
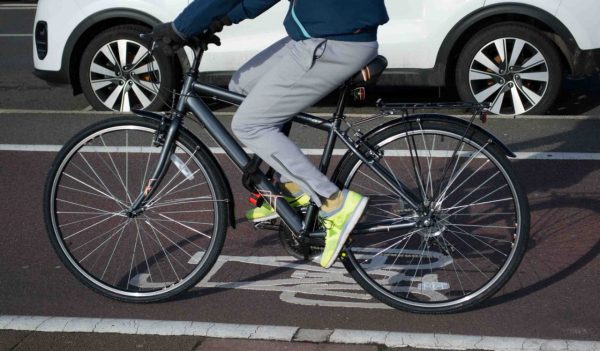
(267, 225)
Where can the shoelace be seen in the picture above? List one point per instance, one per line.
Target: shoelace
(326, 223)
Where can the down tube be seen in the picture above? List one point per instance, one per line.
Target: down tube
(241, 159)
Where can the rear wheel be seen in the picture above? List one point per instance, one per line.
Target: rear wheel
(141, 257)
(468, 234)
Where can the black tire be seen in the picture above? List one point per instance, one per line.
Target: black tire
(474, 237)
(157, 254)
(519, 86)
(144, 82)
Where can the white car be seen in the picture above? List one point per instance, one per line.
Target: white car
(511, 53)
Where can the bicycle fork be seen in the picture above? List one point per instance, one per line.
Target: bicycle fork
(168, 148)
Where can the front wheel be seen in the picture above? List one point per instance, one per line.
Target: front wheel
(465, 238)
(135, 257)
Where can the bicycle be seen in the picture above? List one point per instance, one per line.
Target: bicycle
(137, 207)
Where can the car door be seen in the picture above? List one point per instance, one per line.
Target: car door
(417, 28)
(550, 6)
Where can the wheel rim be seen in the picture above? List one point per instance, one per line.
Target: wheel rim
(511, 74)
(150, 255)
(124, 75)
(439, 277)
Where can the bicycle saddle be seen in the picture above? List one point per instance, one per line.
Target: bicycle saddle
(370, 73)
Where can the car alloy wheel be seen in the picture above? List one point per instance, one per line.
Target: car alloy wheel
(124, 75)
(118, 72)
(509, 66)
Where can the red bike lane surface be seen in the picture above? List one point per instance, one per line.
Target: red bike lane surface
(553, 295)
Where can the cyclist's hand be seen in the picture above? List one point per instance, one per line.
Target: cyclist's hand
(217, 25)
(167, 39)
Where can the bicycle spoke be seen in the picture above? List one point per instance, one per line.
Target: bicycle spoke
(156, 230)
(478, 238)
(99, 178)
(90, 227)
(132, 259)
(464, 182)
(177, 235)
(165, 253)
(84, 206)
(105, 195)
(476, 189)
(139, 237)
(116, 169)
(474, 250)
(120, 230)
(99, 236)
(453, 176)
(476, 202)
(377, 182)
(389, 270)
(64, 225)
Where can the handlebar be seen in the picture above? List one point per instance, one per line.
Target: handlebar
(197, 42)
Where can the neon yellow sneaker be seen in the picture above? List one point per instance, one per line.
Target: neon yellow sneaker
(266, 212)
(339, 223)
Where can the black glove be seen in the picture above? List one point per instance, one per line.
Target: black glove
(217, 25)
(167, 39)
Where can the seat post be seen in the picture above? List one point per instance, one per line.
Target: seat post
(341, 105)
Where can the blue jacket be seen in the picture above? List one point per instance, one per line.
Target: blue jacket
(346, 20)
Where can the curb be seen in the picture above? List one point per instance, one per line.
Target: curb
(287, 333)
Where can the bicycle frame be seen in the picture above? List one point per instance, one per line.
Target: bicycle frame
(190, 101)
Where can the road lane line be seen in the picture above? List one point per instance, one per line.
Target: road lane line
(18, 7)
(15, 35)
(549, 156)
(288, 333)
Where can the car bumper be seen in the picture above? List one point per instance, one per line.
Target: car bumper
(53, 77)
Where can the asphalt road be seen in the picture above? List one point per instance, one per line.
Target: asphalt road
(554, 294)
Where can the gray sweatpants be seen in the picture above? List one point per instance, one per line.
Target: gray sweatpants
(283, 80)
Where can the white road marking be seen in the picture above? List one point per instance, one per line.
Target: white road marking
(549, 156)
(17, 6)
(287, 333)
(15, 35)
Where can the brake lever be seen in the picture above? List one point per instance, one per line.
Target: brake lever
(206, 39)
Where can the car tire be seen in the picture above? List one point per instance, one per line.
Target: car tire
(117, 72)
(513, 67)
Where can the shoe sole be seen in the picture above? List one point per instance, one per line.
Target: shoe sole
(350, 224)
(265, 218)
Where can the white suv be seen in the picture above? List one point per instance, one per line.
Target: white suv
(511, 53)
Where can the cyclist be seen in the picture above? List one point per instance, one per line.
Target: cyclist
(327, 43)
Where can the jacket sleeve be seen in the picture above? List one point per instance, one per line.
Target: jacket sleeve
(196, 17)
(250, 9)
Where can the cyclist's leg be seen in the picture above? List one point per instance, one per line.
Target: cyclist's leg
(246, 77)
(310, 70)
